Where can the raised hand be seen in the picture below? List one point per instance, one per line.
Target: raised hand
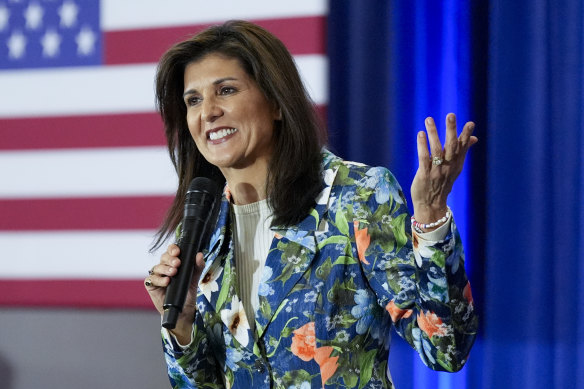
(438, 167)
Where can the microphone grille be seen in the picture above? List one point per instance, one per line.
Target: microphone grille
(203, 184)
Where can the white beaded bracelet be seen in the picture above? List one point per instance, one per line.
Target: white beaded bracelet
(418, 226)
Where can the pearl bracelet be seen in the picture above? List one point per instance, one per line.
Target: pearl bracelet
(418, 226)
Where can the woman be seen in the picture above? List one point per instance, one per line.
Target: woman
(313, 258)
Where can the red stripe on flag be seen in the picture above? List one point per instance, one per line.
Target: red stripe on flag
(302, 35)
(87, 131)
(100, 213)
(112, 130)
(74, 293)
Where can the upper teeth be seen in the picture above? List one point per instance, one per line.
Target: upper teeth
(221, 133)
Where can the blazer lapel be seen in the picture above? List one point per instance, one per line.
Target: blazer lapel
(292, 252)
(218, 283)
(213, 260)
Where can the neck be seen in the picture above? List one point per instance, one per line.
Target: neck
(246, 185)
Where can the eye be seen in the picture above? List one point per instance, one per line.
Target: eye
(192, 100)
(227, 90)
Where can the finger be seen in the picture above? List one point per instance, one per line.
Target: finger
(164, 270)
(451, 143)
(434, 140)
(173, 250)
(170, 259)
(200, 260)
(466, 135)
(155, 281)
(199, 266)
(423, 153)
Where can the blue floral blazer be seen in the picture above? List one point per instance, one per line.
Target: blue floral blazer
(332, 288)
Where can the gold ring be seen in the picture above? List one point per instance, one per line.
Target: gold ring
(148, 282)
(150, 272)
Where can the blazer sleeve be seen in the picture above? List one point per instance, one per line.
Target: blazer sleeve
(193, 366)
(421, 284)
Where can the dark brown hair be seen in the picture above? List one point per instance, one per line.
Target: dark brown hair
(293, 180)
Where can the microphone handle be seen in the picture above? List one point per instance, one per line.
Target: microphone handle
(179, 286)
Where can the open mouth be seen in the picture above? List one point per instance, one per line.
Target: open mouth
(221, 133)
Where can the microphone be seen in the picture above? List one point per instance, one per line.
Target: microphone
(201, 207)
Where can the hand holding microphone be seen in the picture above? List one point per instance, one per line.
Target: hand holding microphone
(161, 276)
(201, 206)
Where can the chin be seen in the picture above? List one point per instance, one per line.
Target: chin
(222, 161)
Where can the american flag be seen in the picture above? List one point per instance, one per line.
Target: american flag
(84, 174)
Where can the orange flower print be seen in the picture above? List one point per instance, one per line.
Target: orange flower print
(304, 342)
(397, 313)
(467, 294)
(227, 193)
(304, 347)
(328, 365)
(431, 324)
(362, 239)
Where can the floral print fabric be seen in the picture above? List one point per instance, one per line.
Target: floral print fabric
(332, 288)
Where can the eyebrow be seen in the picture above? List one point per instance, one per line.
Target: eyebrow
(216, 82)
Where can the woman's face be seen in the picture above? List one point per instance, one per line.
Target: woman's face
(229, 118)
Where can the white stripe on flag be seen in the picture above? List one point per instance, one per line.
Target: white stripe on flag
(81, 90)
(130, 14)
(95, 254)
(87, 172)
(110, 89)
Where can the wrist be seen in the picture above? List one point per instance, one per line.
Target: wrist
(184, 325)
(428, 213)
(182, 332)
(431, 220)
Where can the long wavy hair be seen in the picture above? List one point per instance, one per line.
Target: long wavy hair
(293, 180)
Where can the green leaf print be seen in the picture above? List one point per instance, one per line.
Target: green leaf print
(363, 194)
(442, 360)
(366, 365)
(439, 258)
(335, 239)
(399, 230)
(296, 378)
(341, 222)
(265, 307)
(342, 293)
(345, 260)
(224, 286)
(324, 270)
(314, 214)
(347, 320)
(350, 379)
(229, 376)
(273, 342)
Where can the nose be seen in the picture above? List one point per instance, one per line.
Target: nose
(210, 110)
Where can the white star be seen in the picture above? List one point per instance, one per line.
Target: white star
(16, 45)
(85, 41)
(33, 16)
(4, 15)
(68, 13)
(51, 42)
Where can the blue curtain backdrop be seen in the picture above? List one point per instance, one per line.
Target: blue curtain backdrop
(516, 68)
(535, 275)
(392, 64)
